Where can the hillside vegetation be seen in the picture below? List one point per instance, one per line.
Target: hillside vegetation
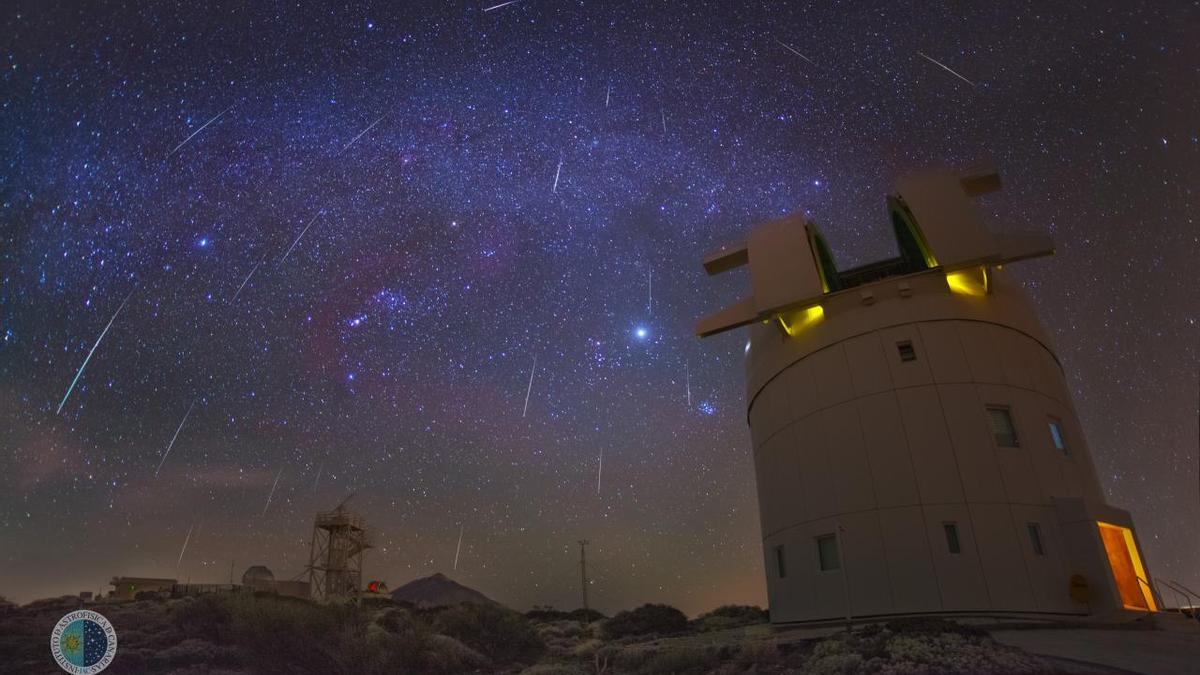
(258, 633)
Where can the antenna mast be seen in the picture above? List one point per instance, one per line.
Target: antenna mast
(583, 571)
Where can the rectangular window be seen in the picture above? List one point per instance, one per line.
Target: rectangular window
(1056, 435)
(780, 562)
(907, 353)
(1003, 429)
(1035, 538)
(952, 537)
(827, 552)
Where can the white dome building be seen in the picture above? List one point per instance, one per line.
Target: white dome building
(259, 578)
(915, 444)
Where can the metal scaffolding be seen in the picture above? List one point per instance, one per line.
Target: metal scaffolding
(336, 555)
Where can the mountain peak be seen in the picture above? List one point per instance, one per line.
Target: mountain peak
(438, 590)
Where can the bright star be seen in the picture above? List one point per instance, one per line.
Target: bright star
(641, 332)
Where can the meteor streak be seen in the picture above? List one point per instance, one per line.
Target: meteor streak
(530, 387)
(93, 351)
(185, 543)
(244, 281)
(185, 141)
(360, 134)
(503, 4)
(557, 173)
(792, 50)
(946, 68)
(456, 551)
(599, 471)
(650, 292)
(272, 493)
(289, 251)
(172, 443)
(687, 377)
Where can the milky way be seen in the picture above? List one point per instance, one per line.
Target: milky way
(346, 234)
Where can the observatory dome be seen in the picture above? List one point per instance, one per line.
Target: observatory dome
(259, 578)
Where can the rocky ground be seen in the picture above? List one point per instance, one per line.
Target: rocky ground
(247, 633)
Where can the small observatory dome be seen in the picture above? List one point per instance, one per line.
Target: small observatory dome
(259, 578)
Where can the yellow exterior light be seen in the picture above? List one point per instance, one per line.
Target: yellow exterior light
(1127, 569)
(970, 281)
(795, 322)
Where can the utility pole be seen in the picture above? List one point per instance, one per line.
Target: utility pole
(583, 571)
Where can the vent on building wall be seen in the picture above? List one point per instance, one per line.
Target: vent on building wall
(907, 353)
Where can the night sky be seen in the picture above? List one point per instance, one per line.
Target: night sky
(340, 240)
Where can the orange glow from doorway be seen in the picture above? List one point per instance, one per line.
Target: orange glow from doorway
(1127, 567)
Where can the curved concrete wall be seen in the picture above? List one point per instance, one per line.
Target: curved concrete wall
(852, 440)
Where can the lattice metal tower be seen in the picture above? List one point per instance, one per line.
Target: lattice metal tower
(335, 559)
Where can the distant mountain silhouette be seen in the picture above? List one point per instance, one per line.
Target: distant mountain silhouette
(439, 591)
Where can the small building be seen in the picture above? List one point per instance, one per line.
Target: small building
(259, 578)
(127, 588)
(296, 588)
(192, 590)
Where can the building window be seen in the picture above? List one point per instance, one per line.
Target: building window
(1056, 435)
(1035, 538)
(907, 353)
(952, 537)
(780, 562)
(827, 552)
(1003, 429)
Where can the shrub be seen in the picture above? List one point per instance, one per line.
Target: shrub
(760, 653)
(645, 620)
(202, 652)
(680, 660)
(556, 669)
(201, 617)
(502, 634)
(546, 614)
(730, 616)
(748, 613)
(560, 629)
(933, 626)
(920, 646)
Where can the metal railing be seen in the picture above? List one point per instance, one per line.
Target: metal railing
(1178, 589)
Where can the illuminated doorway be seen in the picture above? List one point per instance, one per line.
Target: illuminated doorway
(1127, 567)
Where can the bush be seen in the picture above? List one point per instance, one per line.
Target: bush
(502, 634)
(681, 660)
(920, 646)
(546, 614)
(730, 616)
(200, 652)
(933, 626)
(557, 669)
(202, 617)
(645, 620)
(760, 654)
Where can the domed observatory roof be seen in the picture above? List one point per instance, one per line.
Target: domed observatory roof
(259, 578)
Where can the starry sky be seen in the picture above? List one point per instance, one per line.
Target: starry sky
(338, 241)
